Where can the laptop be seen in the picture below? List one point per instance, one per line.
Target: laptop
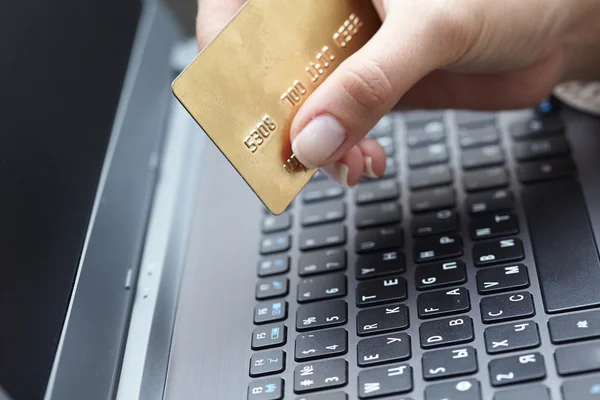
(138, 265)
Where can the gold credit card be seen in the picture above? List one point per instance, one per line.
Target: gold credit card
(246, 86)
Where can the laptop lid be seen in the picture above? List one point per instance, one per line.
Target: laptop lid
(76, 186)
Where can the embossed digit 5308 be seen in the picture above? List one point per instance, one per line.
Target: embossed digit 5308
(259, 134)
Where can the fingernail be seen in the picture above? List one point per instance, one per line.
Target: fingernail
(369, 168)
(318, 141)
(338, 172)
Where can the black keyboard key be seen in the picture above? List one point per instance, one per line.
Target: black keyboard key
(326, 396)
(493, 225)
(276, 243)
(322, 190)
(266, 389)
(446, 332)
(432, 199)
(488, 202)
(430, 155)
(517, 369)
(321, 344)
(381, 291)
(385, 381)
(437, 175)
(476, 136)
(269, 336)
(486, 156)
(321, 315)
(378, 239)
(273, 265)
(469, 389)
(442, 274)
(381, 190)
(558, 220)
(427, 133)
(388, 144)
(385, 127)
(537, 128)
(438, 248)
(536, 392)
(440, 364)
(270, 311)
(443, 302)
(322, 236)
(484, 179)
(512, 337)
(267, 363)
(377, 214)
(575, 327)
(393, 317)
(497, 252)
(502, 279)
(321, 287)
(383, 349)
(578, 358)
(545, 170)
(318, 262)
(541, 148)
(320, 375)
(586, 388)
(468, 118)
(506, 307)
(380, 264)
(443, 221)
(272, 287)
(322, 213)
(276, 223)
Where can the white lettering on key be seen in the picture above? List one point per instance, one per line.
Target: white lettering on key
(393, 340)
(439, 370)
(449, 265)
(460, 353)
(429, 281)
(516, 298)
(455, 292)
(503, 343)
(456, 322)
(499, 313)
(365, 298)
(430, 310)
(511, 270)
(371, 387)
(529, 358)
(434, 339)
(396, 371)
(371, 357)
(369, 327)
(521, 327)
(505, 377)
(507, 243)
(392, 310)
(488, 285)
(427, 254)
(389, 256)
(390, 282)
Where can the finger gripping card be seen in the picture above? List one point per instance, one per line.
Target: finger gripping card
(246, 86)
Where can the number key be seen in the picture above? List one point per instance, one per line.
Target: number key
(321, 315)
(321, 287)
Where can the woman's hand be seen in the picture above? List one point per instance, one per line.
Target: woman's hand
(466, 54)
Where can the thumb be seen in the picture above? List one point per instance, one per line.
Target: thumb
(369, 83)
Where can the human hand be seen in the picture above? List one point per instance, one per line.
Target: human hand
(467, 54)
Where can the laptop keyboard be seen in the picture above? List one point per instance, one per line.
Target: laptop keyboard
(438, 279)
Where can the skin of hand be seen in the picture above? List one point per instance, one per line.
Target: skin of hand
(435, 54)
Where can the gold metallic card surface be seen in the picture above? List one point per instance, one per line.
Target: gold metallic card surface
(246, 86)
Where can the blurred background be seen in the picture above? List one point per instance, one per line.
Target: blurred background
(186, 12)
